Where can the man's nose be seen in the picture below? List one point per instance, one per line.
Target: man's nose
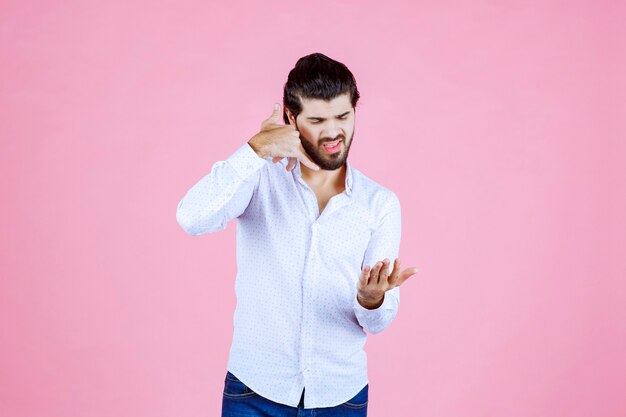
(332, 130)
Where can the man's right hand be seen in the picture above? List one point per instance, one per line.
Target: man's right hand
(280, 141)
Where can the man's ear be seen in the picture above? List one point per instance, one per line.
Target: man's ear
(292, 120)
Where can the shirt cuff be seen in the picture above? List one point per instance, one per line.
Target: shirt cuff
(369, 318)
(245, 161)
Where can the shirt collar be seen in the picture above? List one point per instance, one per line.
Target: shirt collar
(348, 184)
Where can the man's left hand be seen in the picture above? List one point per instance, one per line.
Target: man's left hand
(375, 281)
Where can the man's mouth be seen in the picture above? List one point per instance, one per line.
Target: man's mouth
(332, 147)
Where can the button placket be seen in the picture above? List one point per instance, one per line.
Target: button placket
(308, 304)
(311, 200)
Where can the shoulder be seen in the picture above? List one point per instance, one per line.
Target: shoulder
(366, 187)
(379, 199)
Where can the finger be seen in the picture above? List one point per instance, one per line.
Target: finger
(384, 271)
(302, 157)
(364, 277)
(393, 277)
(291, 164)
(375, 272)
(274, 117)
(276, 159)
(404, 275)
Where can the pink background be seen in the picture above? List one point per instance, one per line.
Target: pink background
(500, 125)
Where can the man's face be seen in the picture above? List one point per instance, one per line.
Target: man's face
(326, 122)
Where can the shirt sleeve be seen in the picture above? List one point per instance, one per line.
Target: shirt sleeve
(384, 243)
(222, 195)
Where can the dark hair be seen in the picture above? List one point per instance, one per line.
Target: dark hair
(317, 76)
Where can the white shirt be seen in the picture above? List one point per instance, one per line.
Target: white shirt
(297, 322)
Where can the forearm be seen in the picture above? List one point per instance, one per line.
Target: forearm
(377, 319)
(222, 195)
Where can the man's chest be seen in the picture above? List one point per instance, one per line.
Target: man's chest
(323, 196)
(328, 222)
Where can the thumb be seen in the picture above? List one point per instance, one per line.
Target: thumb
(404, 275)
(275, 116)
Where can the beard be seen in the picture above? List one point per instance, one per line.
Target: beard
(325, 160)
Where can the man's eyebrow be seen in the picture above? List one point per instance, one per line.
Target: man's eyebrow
(321, 118)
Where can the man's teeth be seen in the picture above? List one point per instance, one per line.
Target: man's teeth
(331, 144)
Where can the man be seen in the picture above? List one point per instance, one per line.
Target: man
(315, 240)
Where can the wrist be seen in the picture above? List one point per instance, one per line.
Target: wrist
(256, 143)
(369, 303)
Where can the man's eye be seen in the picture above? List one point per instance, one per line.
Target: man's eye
(316, 122)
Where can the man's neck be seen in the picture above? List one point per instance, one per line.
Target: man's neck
(324, 179)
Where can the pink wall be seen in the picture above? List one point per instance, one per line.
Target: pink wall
(500, 127)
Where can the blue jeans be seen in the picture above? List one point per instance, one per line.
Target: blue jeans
(240, 401)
